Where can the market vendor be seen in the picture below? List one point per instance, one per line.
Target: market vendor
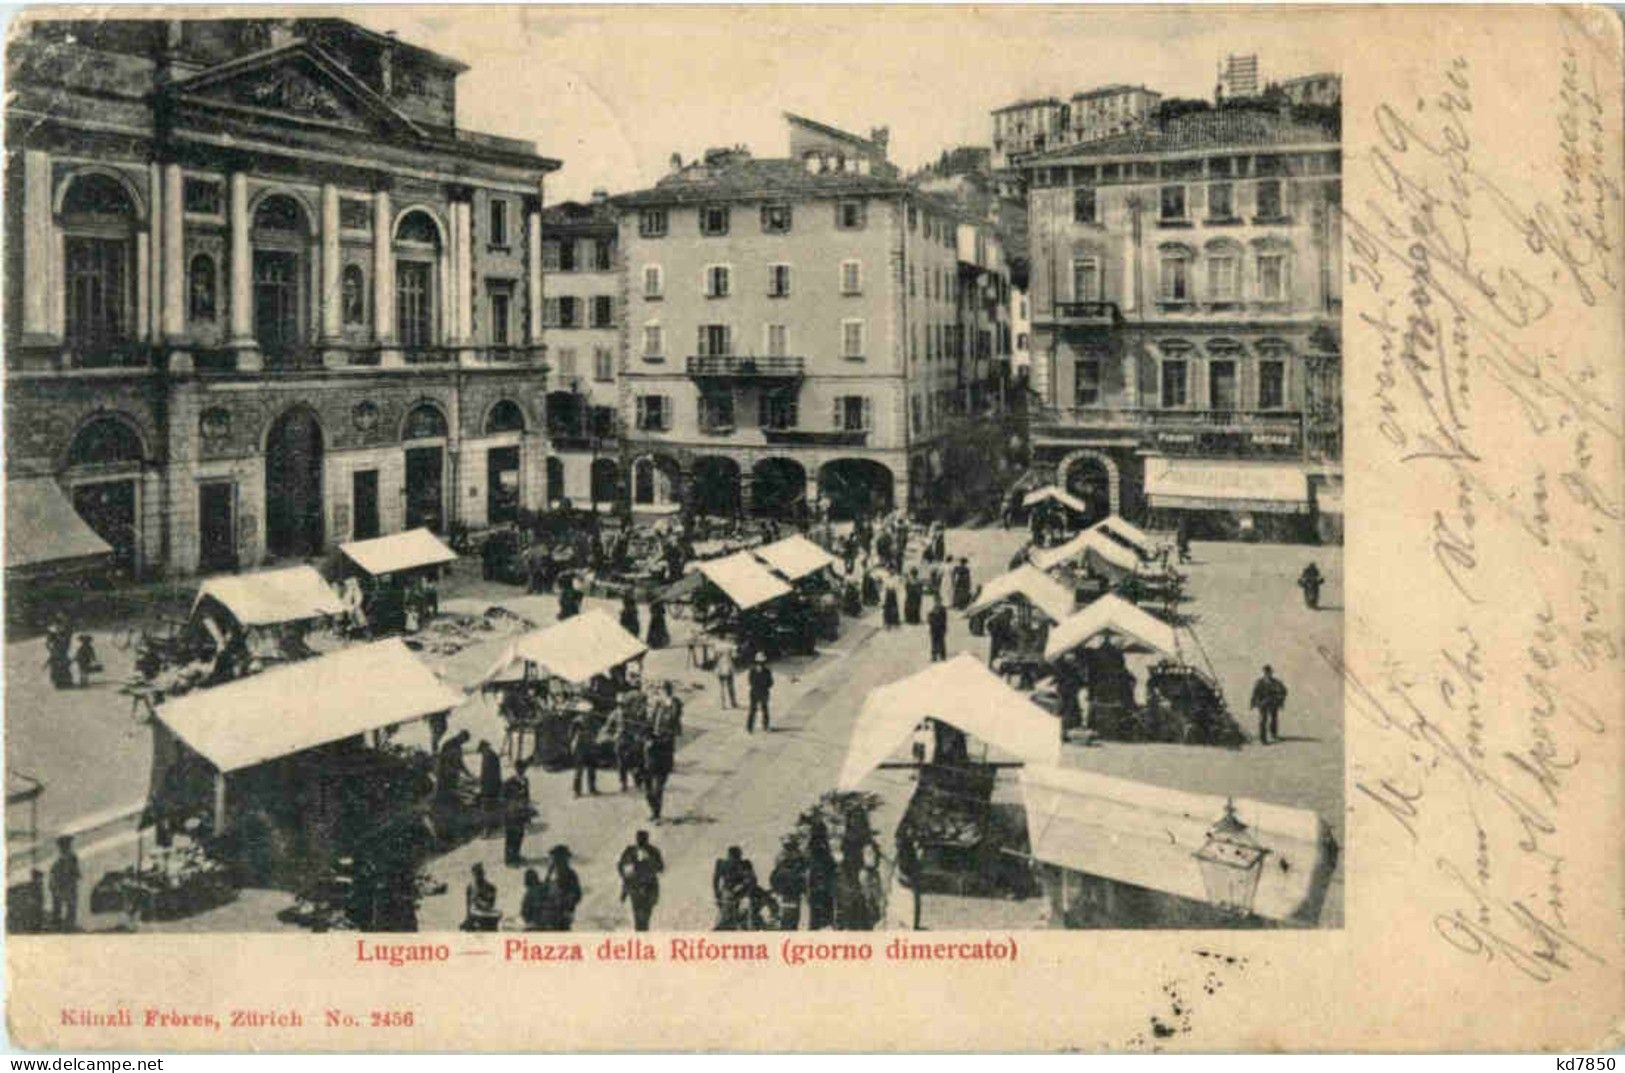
(449, 770)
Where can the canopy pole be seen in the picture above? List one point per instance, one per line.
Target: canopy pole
(219, 803)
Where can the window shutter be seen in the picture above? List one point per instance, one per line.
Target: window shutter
(868, 413)
(700, 345)
(837, 413)
(727, 339)
(665, 413)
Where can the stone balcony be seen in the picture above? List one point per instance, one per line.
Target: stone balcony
(731, 366)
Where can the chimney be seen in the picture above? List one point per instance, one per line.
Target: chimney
(881, 137)
(677, 162)
(600, 196)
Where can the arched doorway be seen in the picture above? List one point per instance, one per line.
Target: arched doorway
(103, 472)
(655, 481)
(293, 484)
(716, 486)
(606, 481)
(566, 420)
(424, 433)
(855, 486)
(281, 240)
(1091, 478)
(777, 486)
(502, 462)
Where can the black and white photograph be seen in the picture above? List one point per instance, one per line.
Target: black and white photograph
(845, 494)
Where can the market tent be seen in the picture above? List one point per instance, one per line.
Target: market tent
(264, 599)
(1059, 495)
(1115, 615)
(1125, 532)
(1215, 484)
(398, 551)
(743, 580)
(683, 588)
(962, 693)
(1148, 836)
(43, 528)
(795, 557)
(1092, 546)
(576, 650)
(1037, 588)
(302, 705)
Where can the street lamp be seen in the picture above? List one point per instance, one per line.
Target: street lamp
(1231, 861)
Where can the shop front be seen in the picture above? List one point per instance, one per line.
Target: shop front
(1212, 499)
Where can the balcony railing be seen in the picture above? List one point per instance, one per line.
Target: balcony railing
(732, 365)
(428, 355)
(1102, 314)
(799, 437)
(1240, 421)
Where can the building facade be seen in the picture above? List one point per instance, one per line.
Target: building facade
(263, 294)
(1108, 110)
(582, 311)
(1186, 296)
(1025, 127)
(1325, 89)
(789, 325)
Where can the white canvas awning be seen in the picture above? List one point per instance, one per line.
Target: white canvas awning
(1059, 495)
(302, 705)
(398, 551)
(1125, 532)
(273, 596)
(1114, 615)
(1208, 484)
(795, 557)
(1034, 586)
(1091, 545)
(962, 693)
(42, 527)
(743, 580)
(576, 650)
(1148, 836)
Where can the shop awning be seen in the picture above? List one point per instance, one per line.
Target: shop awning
(1125, 532)
(273, 596)
(743, 580)
(577, 650)
(1059, 495)
(1206, 484)
(794, 557)
(43, 528)
(1035, 587)
(1090, 542)
(398, 551)
(1111, 614)
(1148, 836)
(962, 693)
(302, 705)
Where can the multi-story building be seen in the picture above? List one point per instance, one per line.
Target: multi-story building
(788, 328)
(263, 293)
(1325, 89)
(1107, 110)
(982, 338)
(1025, 127)
(1238, 76)
(1185, 302)
(582, 312)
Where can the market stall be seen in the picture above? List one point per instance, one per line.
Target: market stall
(744, 600)
(1097, 561)
(393, 570)
(547, 678)
(49, 548)
(278, 774)
(1117, 853)
(948, 818)
(1036, 602)
(256, 620)
(1129, 535)
(809, 570)
(1053, 512)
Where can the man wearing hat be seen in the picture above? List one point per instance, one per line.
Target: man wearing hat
(761, 689)
(1269, 694)
(516, 814)
(640, 867)
(563, 889)
(788, 882)
(64, 882)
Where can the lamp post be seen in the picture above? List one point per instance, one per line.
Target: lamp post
(1231, 861)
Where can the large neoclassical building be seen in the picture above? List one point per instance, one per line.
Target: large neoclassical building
(263, 294)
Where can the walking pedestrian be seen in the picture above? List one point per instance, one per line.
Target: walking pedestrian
(760, 681)
(960, 584)
(86, 660)
(788, 882)
(913, 593)
(888, 608)
(627, 726)
(516, 815)
(733, 884)
(1310, 582)
(727, 657)
(659, 635)
(640, 867)
(64, 884)
(58, 655)
(561, 891)
(660, 751)
(1182, 541)
(584, 751)
(490, 799)
(629, 615)
(1269, 694)
(937, 623)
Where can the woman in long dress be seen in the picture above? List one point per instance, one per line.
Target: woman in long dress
(888, 610)
(659, 636)
(913, 591)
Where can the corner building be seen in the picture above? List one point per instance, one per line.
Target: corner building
(264, 295)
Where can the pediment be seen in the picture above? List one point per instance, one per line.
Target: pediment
(294, 83)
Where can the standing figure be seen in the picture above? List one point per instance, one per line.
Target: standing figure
(480, 902)
(1269, 694)
(760, 681)
(821, 877)
(490, 785)
(908, 869)
(937, 622)
(64, 884)
(569, 598)
(733, 884)
(533, 906)
(913, 593)
(788, 882)
(1182, 541)
(629, 615)
(449, 773)
(516, 815)
(584, 751)
(627, 725)
(959, 582)
(562, 891)
(660, 751)
(1310, 582)
(659, 635)
(727, 656)
(888, 608)
(58, 655)
(85, 659)
(640, 867)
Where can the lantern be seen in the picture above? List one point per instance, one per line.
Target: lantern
(1231, 861)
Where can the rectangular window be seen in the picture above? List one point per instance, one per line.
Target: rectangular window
(603, 364)
(653, 413)
(201, 196)
(97, 286)
(715, 340)
(714, 220)
(603, 254)
(911, 277)
(550, 255)
(1271, 384)
(1086, 280)
(1173, 384)
(777, 410)
(654, 282)
(851, 277)
(414, 309)
(566, 363)
(567, 255)
(654, 341)
(849, 215)
(1086, 388)
(499, 222)
(1083, 205)
(716, 281)
(913, 218)
(1223, 277)
(603, 311)
(853, 413)
(778, 340)
(776, 219)
(550, 312)
(1269, 199)
(1173, 202)
(914, 413)
(1175, 278)
(852, 339)
(1272, 277)
(569, 317)
(717, 411)
(501, 299)
(1221, 385)
(652, 223)
(1221, 201)
(355, 215)
(778, 281)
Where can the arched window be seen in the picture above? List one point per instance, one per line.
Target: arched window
(424, 422)
(201, 284)
(281, 241)
(505, 416)
(353, 294)
(105, 441)
(1174, 273)
(99, 223)
(417, 257)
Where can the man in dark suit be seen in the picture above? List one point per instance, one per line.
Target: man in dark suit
(761, 690)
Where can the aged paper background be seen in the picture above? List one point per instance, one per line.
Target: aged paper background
(1483, 900)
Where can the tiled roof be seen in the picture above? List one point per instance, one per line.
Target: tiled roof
(833, 132)
(740, 180)
(1032, 102)
(580, 216)
(1198, 130)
